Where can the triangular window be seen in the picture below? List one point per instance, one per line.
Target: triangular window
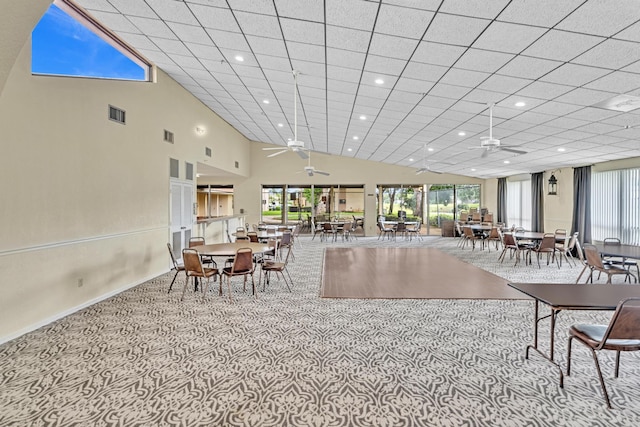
(67, 42)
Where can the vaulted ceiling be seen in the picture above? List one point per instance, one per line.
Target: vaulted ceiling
(407, 82)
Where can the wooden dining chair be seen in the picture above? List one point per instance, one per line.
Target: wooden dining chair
(194, 269)
(621, 334)
(206, 259)
(547, 246)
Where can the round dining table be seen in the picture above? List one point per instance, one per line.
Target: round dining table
(230, 249)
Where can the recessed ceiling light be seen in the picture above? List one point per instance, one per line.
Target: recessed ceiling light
(562, 149)
(520, 104)
(506, 162)
(266, 101)
(473, 170)
(355, 137)
(363, 117)
(411, 160)
(288, 139)
(349, 149)
(429, 149)
(239, 58)
(280, 125)
(462, 133)
(379, 81)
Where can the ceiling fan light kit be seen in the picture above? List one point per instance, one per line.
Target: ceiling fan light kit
(489, 144)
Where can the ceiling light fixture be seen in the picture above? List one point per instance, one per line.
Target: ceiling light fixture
(562, 149)
(355, 137)
(411, 159)
(363, 117)
(239, 58)
(429, 149)
(379, 81)
(461, 133)
(280, 125)
(506, 162)
(473, 170)
(266, 101)
(349, 149)
(520, 104)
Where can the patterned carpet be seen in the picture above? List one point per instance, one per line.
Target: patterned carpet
(143, 358)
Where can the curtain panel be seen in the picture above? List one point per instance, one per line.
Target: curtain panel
(582, 203)
(537, 201)
(502, 201)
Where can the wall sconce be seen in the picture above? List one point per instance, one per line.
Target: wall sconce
(200, 130)
(553, 185)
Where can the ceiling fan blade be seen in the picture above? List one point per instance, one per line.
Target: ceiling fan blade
(420, 171)
(485, 153)
(310, 173)
(303, 155)
(278, 153)
(512, 150)
(322, 173)
(273, 148)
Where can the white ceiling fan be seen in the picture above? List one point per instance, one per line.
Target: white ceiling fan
(292, 145)
(310, 170)
(425, 167)
(489, 144)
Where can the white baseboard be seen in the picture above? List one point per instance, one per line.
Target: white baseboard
(72, 310)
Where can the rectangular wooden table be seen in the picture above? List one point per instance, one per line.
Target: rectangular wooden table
(563, 296)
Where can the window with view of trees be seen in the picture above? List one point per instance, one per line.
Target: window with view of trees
(519, 203)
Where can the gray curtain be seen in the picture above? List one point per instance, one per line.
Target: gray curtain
(537, 201)
(582, 203)
(502, 201)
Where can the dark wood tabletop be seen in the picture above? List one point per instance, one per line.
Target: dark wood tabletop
(624, 251)
(573, 296)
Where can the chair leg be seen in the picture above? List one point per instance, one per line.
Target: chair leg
(184, 289)
(617, 370)
(604, 387)
(174, 279)
(581, 273)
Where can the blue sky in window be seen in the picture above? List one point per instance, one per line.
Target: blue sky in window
(63, 46)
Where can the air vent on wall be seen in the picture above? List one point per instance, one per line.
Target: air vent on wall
(168, 136)
(207, 151)
(237, 165)
(188, 171)
(116, 114)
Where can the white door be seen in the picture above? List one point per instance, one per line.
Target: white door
(181, 215)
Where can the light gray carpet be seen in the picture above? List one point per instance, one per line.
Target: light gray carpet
(294, 359)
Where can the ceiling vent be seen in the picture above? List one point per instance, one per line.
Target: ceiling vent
(622, 103)
(168, 136)
(207, 151)
(116, 114)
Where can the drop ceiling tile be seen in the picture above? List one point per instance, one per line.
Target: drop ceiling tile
(267, 46)
(603, 18)
(556, 108)
(437, 53)
(302, 31)
(449, 91)
(611, 54)
(618, 82)
(139, 41)
(189, 33)
(408, 98)
(391, 46)
(599, 128)
(347, 38)
(534, 118)
(359, 15)
(528, 67)
(456, 30)
(402, 22)
(584, 97)
(504, 84)
(544, 13)
(171, 46)
(405, 84)
(478, 8)
(544, 90)
(484, 96)
(426, 72)
(119, 23)
(264, 7)
(483, 60)
(465, 78)
(345, 58)
(574, 75)
(205, 52)
(350, 75)
(507, 37)
(173, 11)
(385, 65)
(566, 123)
(186, 61)
(562, 45)
(574, 135)
(215, 18)
(306, 52)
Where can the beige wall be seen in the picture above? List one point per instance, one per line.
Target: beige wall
(86, 200)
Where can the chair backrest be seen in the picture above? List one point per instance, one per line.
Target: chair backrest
(271, 230)
(494, 234)
(468, 232)
(548, 242)
(579, 251)
(192, 262)
(472, 210)
(173, 256)
(518, 229)
(593, 256)
(625, 322)
(572, 241)
(286, 238)
(476, 216)
(243, 261)
(488, 218)
(243, 239)
(509, 241)
(459, 228)
(401, 227)
(560, 232)
(253, 236)
(196, 241)
(612, 241)
(327, 226)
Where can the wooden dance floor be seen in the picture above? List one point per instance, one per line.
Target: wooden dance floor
(407, 273)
